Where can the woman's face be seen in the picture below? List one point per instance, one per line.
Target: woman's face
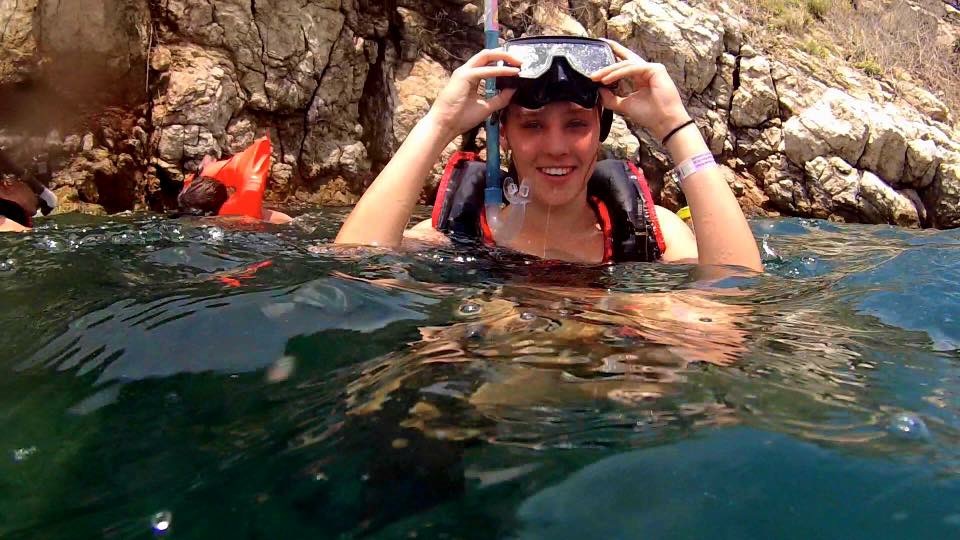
(554, 148)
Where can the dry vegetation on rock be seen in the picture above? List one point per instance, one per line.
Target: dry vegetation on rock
(915, 41)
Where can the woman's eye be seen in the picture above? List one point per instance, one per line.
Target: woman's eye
(531, 125)
(577, 124)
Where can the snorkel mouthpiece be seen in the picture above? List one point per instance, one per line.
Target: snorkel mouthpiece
(506, 225)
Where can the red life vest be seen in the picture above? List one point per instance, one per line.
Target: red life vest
(617, 190)
(247, 174)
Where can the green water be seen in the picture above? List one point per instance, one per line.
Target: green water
(189, 379)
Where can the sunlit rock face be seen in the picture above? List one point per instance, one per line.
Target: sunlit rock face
(114, 102)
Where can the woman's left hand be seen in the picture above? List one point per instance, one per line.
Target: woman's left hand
(654, 103)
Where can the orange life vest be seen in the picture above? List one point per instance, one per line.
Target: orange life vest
(247, 174)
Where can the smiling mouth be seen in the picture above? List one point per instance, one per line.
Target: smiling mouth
(556, 171)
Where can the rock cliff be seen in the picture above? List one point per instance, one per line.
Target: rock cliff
(110, 101)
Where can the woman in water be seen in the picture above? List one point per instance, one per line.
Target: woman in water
(552, 131)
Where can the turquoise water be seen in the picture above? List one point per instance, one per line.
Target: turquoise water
(189, 379)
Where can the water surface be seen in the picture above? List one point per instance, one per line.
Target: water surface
(201, 379)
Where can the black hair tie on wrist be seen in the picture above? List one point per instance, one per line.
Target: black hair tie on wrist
(674, 131)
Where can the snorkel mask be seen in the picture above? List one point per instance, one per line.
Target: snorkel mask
(558, 68)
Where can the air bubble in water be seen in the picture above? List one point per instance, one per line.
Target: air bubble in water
(527, 316)
(6, 266)
(469, 308)
(21, 454)
(161, 522)
(908, 426)
(51, 244)
(215, 234)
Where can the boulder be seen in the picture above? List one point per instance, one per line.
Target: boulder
(18, 41)
(835, 125)
(833, 186)
(755, 101)
(886, 150)
(621, 143)
(683, 38)
(755, 145)
(880, 203)
(922, 160)
(943, 196)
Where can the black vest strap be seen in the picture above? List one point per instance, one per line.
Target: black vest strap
(618, 184)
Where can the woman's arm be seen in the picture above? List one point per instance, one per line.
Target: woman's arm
(275, 217)
(381, 215)
(723, 235)
(9, 225)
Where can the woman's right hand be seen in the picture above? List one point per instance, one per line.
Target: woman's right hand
(459, 106)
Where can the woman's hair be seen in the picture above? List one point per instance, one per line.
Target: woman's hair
(204, 196)
(14, 212)
(18, 202)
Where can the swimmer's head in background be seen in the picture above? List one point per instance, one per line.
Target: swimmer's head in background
(558, 68)
(18, 201)
(202, 197)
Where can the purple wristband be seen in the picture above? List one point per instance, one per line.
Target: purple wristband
(693, 164)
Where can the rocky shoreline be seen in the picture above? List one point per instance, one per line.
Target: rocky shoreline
(109, 101)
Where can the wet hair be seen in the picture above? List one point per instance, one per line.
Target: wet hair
(204, 197)
(18, 202)
(14, 212)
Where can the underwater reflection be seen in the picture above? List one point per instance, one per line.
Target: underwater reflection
(227, 332)
(532, 348)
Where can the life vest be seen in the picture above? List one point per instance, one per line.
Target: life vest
(617, 191)
(247, 174)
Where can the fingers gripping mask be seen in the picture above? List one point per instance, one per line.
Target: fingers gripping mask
(558, 68)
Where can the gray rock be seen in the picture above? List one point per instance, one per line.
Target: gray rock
(943, 196)
(683, 38)
(755, 101)
(833, 126)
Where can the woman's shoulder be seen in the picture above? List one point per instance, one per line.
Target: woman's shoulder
(9, 225)
(679, 239)
(424, 232)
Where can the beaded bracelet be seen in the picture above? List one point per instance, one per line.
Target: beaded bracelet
(674, 131)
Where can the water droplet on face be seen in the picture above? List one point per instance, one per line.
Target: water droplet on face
(161, 522)
(470, 308)
(908, 426)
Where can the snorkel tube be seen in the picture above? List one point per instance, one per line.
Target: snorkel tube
(493, 192)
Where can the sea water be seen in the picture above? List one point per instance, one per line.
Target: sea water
(204, 379)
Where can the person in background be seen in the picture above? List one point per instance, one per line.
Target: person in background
(18, 204)
(22, 197)
(232, 187)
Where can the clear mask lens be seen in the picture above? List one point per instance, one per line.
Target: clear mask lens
(536, 57)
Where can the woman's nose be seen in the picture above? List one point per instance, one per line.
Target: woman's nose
(556, 143)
